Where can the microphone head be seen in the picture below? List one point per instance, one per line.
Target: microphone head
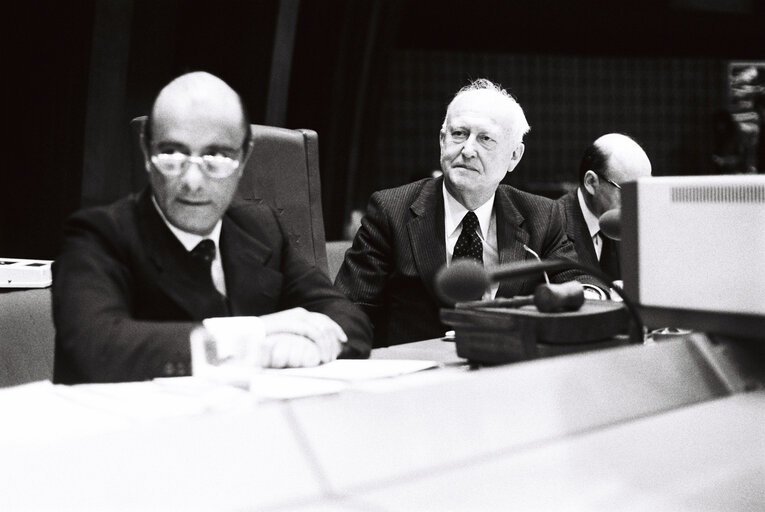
(611, 224)
(464, 280)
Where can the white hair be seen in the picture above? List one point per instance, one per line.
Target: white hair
(519, 126)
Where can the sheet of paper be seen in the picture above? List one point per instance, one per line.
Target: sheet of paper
(354, 370)
(415, 380)
(42, 411)
(274, 386)
(330, 378)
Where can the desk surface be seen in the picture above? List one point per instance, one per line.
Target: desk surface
(430, 350)
(710, 456)
(633, 428)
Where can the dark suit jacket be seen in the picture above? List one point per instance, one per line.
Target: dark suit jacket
(125, 295)
(579, 234)
(400, 246)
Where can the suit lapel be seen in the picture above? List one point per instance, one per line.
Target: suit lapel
(176, 273)
(511, 236)
(244, 263)
(426, 232)
(577, 231)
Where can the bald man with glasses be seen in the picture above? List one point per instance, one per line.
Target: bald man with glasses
(608, 162)
(137, 277)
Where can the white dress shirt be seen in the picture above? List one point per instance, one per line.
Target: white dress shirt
(593, 224)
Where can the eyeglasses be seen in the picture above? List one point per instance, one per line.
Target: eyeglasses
(612, 182)
(214, 166)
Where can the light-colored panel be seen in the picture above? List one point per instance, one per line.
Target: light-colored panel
(709, 456)
(701, 243)
(243, 460)
(361, 439)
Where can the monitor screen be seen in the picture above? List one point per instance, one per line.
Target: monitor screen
(693, 252)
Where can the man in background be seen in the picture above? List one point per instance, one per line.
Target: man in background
(606, 164)
(136, 277)
(411, 231)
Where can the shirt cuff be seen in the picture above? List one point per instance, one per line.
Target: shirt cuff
(594, 293)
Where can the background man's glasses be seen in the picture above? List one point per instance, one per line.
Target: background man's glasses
(214, 166)
(606, 179)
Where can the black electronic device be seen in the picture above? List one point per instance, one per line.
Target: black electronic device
(494, 335)
(552, 321)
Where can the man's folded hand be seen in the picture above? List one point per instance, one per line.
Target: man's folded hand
(315, 327)
(286, 350)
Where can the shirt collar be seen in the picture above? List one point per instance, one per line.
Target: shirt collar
(593, 224)
(189, 240)
(454, 212)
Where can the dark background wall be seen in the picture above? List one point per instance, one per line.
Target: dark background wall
(372, 77)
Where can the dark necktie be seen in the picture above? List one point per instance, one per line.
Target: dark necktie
(469, 243)
(204, 252)
(609, 257)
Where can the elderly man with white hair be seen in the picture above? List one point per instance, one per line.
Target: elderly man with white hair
(409, 232)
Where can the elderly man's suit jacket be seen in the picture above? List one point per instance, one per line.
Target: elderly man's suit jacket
(390, 268)
(579, 234)
(126, 293)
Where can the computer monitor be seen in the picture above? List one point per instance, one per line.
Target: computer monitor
(693, 252)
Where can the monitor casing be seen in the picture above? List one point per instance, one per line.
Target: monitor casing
(693, 252)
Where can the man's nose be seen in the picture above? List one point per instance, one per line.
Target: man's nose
(468, 147)
(193, 177)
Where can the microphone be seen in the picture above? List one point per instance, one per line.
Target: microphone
(464, 280)
(611, 224)
(467, 280)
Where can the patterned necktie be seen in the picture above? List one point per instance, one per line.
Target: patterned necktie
(469, 243)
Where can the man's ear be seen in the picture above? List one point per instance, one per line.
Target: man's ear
(248, 150)
(144, 143)
(590, 181)
(515, 158)
(518, 153)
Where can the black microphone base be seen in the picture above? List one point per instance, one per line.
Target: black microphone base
(492, 335)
